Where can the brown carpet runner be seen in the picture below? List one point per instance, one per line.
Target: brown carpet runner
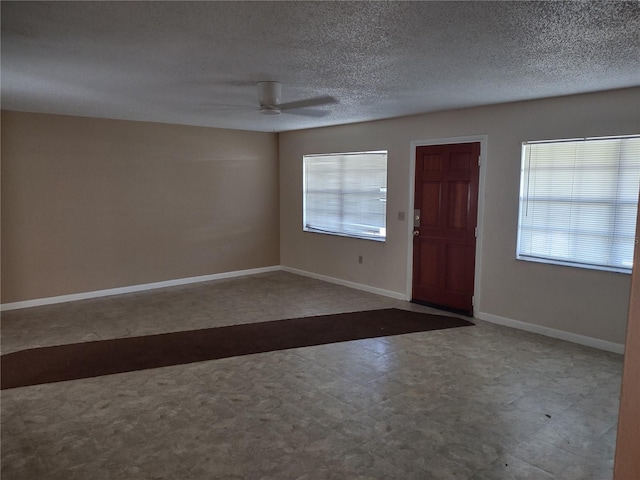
(91, 359)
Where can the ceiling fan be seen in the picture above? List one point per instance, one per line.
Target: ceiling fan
(270, 95)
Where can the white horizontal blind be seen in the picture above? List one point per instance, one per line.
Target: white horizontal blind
(578, 202)
(346, 194)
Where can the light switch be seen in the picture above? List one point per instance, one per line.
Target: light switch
(401, 216)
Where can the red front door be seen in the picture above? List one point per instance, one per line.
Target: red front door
(444, 245)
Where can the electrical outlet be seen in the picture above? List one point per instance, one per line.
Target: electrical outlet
(359, 258)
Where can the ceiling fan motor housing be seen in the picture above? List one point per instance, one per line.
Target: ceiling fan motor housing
(269, 96)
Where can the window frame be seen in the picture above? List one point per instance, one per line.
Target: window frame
(523, 199)
(341, 233)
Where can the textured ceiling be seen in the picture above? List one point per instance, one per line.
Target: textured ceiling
(197, 63)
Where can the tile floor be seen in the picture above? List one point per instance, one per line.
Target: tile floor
(481, 402)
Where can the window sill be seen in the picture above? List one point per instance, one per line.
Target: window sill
(346, 235)
(576, 265)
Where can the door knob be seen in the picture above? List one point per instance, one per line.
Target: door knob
(416, 233)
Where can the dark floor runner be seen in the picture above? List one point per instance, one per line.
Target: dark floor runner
(92, 359)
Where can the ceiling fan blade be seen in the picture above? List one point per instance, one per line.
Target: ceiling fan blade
(310, 102)
(307, 112)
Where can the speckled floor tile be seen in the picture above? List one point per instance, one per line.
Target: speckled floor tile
(481, 402)
(508, 467)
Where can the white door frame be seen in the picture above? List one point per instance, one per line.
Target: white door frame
(484, 140)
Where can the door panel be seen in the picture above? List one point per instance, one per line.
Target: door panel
(458, 209)
(459, 162)
(430, 253)
(430, 196)
(456, 261)
(446, 192)
(432, 163)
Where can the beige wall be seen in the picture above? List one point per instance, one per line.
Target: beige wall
(91, 204)
(584, 302)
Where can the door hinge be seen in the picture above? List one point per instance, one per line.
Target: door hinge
(479, 157)
(475, 232)
(473, 301)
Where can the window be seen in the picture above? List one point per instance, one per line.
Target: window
(578, 202)
(346, 194)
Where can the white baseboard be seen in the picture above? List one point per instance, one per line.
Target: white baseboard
(487, 317)
(134, 288)
(552, 332)
(346, 283)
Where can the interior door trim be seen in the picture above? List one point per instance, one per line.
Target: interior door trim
(483, 140)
